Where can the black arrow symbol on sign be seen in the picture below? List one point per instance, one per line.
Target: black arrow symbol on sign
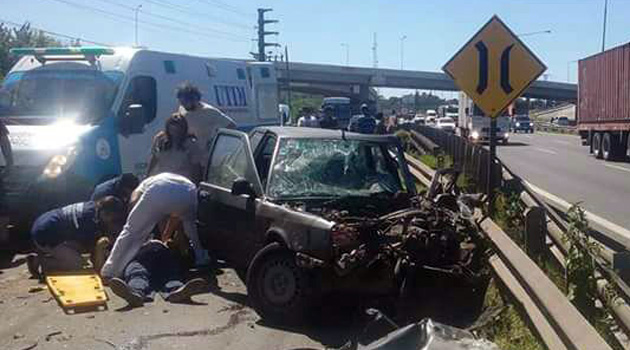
(482, 82)
(505, 70)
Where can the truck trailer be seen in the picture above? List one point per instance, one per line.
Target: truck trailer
(603, 113)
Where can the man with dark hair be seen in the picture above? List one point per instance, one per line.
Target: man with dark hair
(328, 120)
(61, 235)
(120, 187)
(203, 119)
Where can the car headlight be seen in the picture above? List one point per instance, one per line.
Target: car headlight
(518, 124)
(59, 163)
(506, 135)
(475, 135)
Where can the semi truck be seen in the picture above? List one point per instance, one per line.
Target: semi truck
(78, 116)
(474, 126)
(603, 112)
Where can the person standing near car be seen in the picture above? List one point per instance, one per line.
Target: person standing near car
(328, 120)
(363, 123)
(178, 152)
(203, 119)
(156, 198)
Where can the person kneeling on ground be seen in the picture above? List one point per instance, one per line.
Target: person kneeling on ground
(120, 187)
(61, 235)
(157, 198)
(155, 268)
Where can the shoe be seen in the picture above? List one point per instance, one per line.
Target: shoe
(183, 293)
(32, 262)
(120, 288)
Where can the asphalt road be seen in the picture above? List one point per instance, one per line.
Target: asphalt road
(560, 165)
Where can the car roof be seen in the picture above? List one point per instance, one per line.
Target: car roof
(318, 133)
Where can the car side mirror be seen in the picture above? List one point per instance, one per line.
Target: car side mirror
(133, 120)
(241, 186)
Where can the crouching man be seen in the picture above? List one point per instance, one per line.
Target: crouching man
(157, 198)
(155, 268)
(61, 235)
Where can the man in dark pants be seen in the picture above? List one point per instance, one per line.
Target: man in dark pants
(120, 187)
(155, 268)
(61, 235)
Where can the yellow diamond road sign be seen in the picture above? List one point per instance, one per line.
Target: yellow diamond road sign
(494, 67)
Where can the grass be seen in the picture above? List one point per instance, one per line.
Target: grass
(507, 330)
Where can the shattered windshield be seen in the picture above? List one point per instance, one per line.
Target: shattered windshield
(334, 168)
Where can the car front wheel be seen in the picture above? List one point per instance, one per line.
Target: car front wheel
(278, 289)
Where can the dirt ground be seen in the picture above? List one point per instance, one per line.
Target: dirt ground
(32, 319)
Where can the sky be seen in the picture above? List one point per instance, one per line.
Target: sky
(317, 31)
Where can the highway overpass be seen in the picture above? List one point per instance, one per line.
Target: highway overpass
(356, 81)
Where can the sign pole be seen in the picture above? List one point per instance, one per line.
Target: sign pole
(491, 167)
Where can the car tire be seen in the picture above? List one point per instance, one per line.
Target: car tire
(6, 258)
(505, 141)
(278, 289)
(628, 147)
(608, 147)
(597, 145)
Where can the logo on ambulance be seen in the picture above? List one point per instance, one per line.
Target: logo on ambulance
(103, 150)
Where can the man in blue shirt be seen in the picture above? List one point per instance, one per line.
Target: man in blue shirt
(363, 123)
(61, 235)
(120, 187)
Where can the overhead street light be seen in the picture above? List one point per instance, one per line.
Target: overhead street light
(402, 51)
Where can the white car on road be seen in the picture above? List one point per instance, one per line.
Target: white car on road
(446, 124)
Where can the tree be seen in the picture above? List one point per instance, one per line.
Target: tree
(24, 36)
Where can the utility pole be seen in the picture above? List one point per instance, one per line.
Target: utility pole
(604, 31)
(136, 10)
(375, 52)
(347, 47)
(262, 33)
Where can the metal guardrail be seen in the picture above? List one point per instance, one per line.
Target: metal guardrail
(557, 322)
(549, 127)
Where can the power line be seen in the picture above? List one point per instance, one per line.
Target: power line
(165, 18)
(65, 36)
(226, 7)
(129, 19)
(190, 12)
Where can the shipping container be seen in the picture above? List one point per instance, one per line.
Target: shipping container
(604, 102)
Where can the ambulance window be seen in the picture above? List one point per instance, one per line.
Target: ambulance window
(141, 90)
(169, 67)
(240, 73)
(264, 72)
(212, 72)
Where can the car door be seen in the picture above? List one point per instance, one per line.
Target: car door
(226, 220)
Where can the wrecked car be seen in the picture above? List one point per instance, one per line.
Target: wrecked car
(300, 212)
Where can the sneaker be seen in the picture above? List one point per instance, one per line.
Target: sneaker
(32, 262)
(120, 288)
(183, 293)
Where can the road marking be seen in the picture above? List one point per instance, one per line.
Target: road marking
(545, 150)
(564, 205)
(562, 142)
(617, 167)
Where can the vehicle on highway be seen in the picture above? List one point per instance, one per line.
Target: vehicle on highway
(431, 116)
(603, 108)
(475, 126)
(80, 115)
(446, 124)
(451, 111)
(418, 120)
(303, 212)
(341, 109)
(561, 121)
(522, 123)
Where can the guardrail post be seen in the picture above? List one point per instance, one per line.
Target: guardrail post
(535, 232)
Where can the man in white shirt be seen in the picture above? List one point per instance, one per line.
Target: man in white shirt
(156, 198)
(203, 119)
